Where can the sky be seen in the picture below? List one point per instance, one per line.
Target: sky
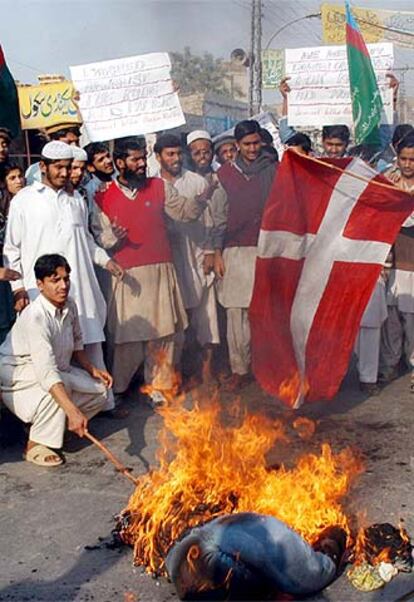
(46, 36)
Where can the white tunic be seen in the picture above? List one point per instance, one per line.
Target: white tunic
(43, 221)
(376, 311)
(235, 289)
(188, 242)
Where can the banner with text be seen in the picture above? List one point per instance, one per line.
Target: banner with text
(319, 83)
(273, 68)
(376, 25)
(127, 97)
(46, 105)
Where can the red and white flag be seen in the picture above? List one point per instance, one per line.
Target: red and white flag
(324, 238)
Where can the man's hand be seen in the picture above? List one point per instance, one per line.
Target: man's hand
(219, 268)
(119, 231)
(208, 192)
(8, 274)
(394, 84)
(394, 176)
(208, 263)
(284, 87)
(77, 422)
(115, 269)
(392, 81)
(21, 300)
(103, 376)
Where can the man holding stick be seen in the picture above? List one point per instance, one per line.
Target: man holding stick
(38, 382)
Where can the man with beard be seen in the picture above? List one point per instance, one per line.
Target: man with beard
(77, 170)
(63, 132)
(191, 248)
(146, 309)
(247, 183)
(44, 218)
(200, 147)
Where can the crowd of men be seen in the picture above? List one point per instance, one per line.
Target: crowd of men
(112, 271)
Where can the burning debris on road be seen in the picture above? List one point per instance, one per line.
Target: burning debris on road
(381, 552)
(213, 501)
(212, 464)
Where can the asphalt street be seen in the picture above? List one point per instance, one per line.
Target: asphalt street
(55, 524)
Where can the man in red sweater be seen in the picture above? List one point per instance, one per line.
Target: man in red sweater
(247, 183)
(146, 308)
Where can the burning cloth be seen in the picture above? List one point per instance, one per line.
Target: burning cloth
(246, 556)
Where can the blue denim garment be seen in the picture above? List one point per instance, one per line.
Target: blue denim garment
(264, 554)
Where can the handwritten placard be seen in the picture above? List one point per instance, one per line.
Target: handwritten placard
(46, 105)
(128, 96)
(319, 83)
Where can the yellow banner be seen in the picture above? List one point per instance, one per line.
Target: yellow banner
(375, 25)
(46, 105)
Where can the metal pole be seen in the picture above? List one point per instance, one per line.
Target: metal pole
(252, 58)
(258, 62)
(27, 144)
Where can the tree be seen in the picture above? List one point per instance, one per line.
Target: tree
(195, 73)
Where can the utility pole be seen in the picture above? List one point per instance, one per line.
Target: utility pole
(255, 88)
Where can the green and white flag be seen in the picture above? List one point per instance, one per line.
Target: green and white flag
(365, 95)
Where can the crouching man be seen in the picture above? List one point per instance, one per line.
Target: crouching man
(38, 382)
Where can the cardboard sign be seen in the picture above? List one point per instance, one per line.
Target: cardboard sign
(47, 104)
(319, 83)
(127, 97)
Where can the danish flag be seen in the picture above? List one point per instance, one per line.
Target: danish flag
(326, 231)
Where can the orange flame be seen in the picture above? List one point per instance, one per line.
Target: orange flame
(293, 390)
(366, 551)
(304, 427)
(211, 463)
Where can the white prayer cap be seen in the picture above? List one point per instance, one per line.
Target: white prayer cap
(57, 150)
(79, 154)
(198, 135)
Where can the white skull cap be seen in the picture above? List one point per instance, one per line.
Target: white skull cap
(198, 135)
(57, 150)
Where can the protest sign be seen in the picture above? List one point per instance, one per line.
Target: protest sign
(319, 82)
(128, 96)
(376, 25)
(47, 104)
(273, 68)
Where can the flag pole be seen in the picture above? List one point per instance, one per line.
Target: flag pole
(27, 143)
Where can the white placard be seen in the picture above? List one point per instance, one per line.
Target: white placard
(127, 97)
(319, 84)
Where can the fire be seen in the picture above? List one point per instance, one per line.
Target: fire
(293, 390)
(381, 543)
(211, 463)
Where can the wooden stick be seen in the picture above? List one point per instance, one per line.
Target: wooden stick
(117, 463)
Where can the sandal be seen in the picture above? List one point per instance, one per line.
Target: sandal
(38, 454)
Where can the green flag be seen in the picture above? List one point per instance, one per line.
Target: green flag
(365, 95)
(9, 102)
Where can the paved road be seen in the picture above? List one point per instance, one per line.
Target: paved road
(48, 518)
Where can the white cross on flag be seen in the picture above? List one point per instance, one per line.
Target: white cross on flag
(324, 238)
